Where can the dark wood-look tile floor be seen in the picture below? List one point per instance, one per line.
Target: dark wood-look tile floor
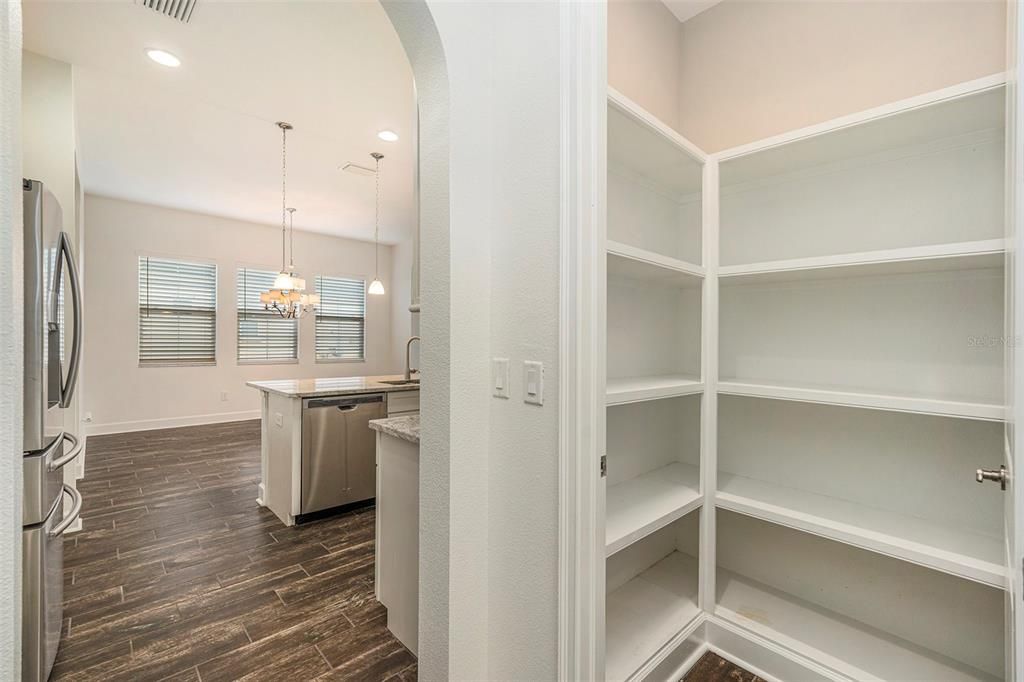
(178, 574)
(714, 668)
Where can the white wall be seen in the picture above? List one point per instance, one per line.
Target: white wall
(643, 56)
(490, 123)
(48, 129)
(123, 396)
(744, 70)
(523, 490)
(419, 31)
(401, 296)
(11, 358)
(750, 70)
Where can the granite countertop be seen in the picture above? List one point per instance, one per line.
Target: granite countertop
(308, 388)
(406, 427)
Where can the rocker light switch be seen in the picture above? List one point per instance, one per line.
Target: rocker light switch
(533, 382)
(500, 372)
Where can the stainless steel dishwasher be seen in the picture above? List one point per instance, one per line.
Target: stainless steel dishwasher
(339, 461)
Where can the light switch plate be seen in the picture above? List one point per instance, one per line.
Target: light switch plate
(533, 382)
(499, 377)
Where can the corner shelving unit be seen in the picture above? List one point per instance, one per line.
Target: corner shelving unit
(987, 253)
(639, 506)
(860, 384)
(645, 613)
(945, 548)
(804, 369)
(654, 389)
(836, 395)
(638, 389)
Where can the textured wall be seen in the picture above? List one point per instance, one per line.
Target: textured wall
(490, 246)
(10, 341)
(415, 25)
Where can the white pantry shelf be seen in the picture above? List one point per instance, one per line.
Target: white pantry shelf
(939, 546)
(874, 401)
(955, 111)
(822, 635)
(639, 389)
(640, 141)
(638, 507)
(647, 612)
(629, 261)
(973, 255)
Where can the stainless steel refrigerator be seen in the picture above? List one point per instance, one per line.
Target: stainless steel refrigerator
(53, 350)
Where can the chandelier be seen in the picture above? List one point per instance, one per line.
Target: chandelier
(288, 297)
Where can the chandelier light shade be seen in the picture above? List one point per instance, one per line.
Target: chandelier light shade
(288, 297)
(376, 286)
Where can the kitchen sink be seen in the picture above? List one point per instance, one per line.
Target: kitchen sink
(400, 382)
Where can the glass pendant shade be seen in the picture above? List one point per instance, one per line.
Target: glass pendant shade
(289, 282)
(376, 286)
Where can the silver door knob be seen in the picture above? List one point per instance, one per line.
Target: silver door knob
(993, 475)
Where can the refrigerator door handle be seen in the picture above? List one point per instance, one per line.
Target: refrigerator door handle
(76, 450)
(76, 510)
(65, 255)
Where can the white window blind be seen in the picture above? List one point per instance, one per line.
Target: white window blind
(263, 336)
(340, 318)
(177, 312)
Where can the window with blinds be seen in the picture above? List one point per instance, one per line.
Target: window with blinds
(177, 312)
(340, 318)
(263, 336)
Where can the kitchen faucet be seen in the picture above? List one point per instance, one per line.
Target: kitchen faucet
(408, 370)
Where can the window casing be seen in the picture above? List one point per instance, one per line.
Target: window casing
(340, 319)
(264, 337)
(177, 312)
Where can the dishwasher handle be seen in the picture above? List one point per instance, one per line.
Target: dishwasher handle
(344, 403)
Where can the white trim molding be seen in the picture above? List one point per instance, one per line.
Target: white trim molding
(169, 422)
(581, 340)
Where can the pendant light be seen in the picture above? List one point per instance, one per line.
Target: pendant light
(376, 286)
(288, 297)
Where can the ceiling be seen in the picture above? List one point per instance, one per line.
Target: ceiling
(202, 137)
(688, 9)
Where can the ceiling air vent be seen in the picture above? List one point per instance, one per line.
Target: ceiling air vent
(175, 9)
(357, 169)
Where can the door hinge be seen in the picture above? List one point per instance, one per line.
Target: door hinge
(604, 465)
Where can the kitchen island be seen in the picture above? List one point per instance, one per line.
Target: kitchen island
(396, 565)
(317, 450)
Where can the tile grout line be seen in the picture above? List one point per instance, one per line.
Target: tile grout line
(329, 666)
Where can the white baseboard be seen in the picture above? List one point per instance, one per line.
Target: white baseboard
(169, 422)
(676, 664)
(678, 656)
(764, 658)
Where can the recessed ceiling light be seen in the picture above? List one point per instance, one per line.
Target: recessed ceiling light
(388, 135)
(164, 58)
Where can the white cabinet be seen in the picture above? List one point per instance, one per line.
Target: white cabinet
(403, 402)
(805, 367)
